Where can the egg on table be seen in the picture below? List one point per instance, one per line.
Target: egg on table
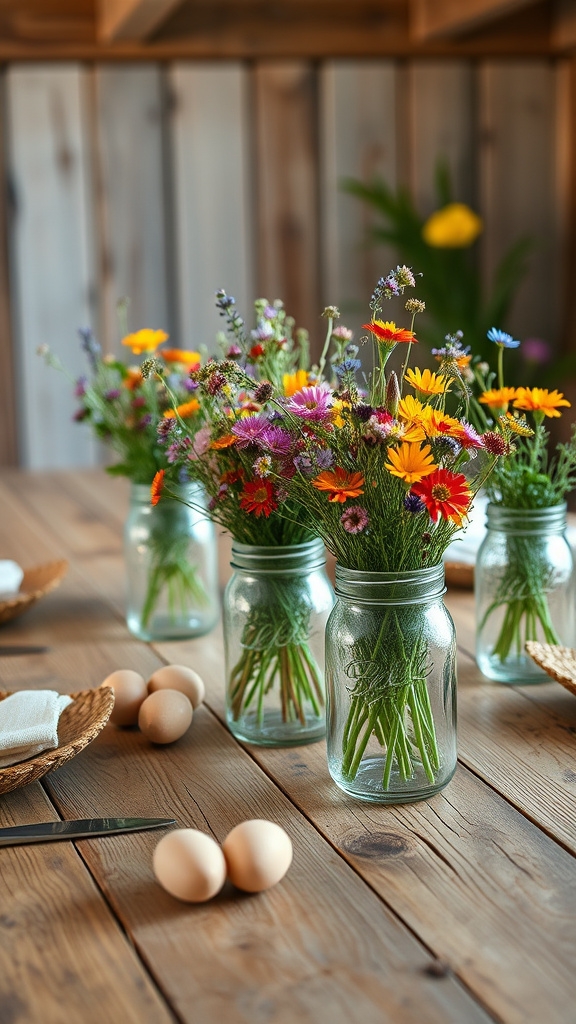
(165, 716)
(189, 865)
(179, 677)
(258, 854)
(129, 692)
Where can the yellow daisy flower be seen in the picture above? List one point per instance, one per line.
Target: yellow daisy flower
(427, 383)
(455, 226)
(146, 340)
(411, 462)
(336, 410)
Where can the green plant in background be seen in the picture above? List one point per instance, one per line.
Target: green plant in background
(442, 247)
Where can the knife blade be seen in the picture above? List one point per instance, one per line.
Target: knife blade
(83, 829)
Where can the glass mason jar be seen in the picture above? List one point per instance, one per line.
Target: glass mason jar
(525, 590)
(391, 685)
(276, 605)
(171, 566)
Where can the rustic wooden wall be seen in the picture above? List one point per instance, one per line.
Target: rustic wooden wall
(166, 181)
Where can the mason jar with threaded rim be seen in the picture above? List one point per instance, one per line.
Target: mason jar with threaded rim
(525, 589)
(391, 685)
(275, 609)
(171, 565)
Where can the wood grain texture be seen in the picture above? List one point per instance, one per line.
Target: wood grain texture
(441, 126)
(358, 126)
(132, 19)
(212, 195)
(433, 18)
(517, 126)
(8, 417)
(129, 141)
(286, 183)
(62, 954)
(53, 259)
(245, 957)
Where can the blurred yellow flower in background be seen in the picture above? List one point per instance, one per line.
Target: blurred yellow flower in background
(293, 382)
(146, 340)
(455, 226)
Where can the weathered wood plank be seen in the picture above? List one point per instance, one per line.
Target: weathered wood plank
(517, 126)
(441, 126)
(53, 265)
(211, 187)
(62, 954)
(130, 152)
(286, 183)
(358, 133)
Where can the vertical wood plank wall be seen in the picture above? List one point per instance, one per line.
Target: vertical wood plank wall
(165, 182)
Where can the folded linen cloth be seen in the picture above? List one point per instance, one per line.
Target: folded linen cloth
(29, 724)
(11, 576)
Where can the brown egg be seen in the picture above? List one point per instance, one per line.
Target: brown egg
(178, 677)
(258, 854)
(189, 865)
(129, 693)
(165, 716)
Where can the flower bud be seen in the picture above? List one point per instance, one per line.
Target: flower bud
(392, 398)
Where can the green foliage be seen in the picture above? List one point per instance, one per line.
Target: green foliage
(451, 284)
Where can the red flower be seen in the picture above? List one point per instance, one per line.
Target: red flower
(258, 497)
(387, 332)
(157, 487)
(256, 351)
(444, 493)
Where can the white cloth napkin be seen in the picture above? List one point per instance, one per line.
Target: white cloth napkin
(29, 724)
(11, 576)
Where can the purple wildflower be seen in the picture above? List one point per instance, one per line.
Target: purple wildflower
(324, 458)
(80, 414)
(354, 519)
(234, 351)
(343, 333)
(311, 402)
(249, 430)
(363, 412)
(90, 346)
(144, 422)
(112, 394)
(348, 366)
(80, 389)
(269, 312)
(536, 350)
(275, 440)
(263, 332)
(189, 385)
(413, 504)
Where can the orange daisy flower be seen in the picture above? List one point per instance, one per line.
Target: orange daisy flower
(157, 487)
(446, 494)
(411, 462)
(387, 332)
(340, 484)
(498, 398)
(540, 400)
(145, 340)
(223, 442)
(184, 411)
(180, 355)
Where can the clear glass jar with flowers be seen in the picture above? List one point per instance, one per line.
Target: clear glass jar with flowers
(524, 577)
(170, 555)
(278, 599)
(385, 479)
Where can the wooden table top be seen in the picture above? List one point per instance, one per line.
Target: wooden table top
(461, 909)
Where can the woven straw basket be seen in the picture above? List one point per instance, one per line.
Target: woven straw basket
(37, 582)
(78, 725)
(558, 662)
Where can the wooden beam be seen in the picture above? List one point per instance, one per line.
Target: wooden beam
(433, 19)
(132, 19)
(563, 34)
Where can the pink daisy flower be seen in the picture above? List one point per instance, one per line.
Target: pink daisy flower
(311, 403)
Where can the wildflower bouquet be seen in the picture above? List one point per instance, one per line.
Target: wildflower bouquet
(385, 479)
(125, 411)
(524, 579)
(274, 679)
